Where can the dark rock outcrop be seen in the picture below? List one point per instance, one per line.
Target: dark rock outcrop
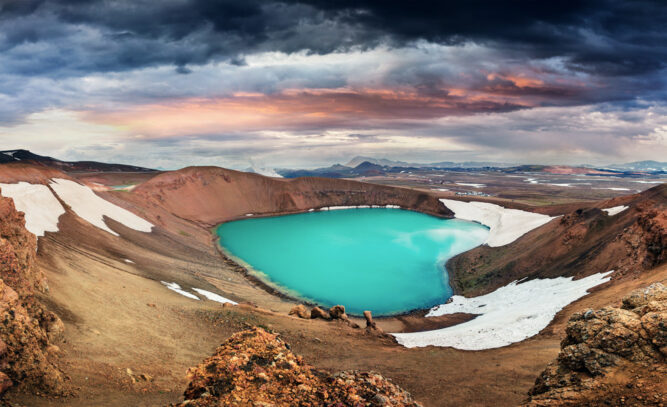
(608, 352)
(318, 312)
(338, 312)
(257, 368)
(300, 311)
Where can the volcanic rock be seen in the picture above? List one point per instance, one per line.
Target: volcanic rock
(5, 383)
(318, 312)
(300, 311)
(369, 319)
(338, 312)
(607, 351)
(27, 328)
(257, 368)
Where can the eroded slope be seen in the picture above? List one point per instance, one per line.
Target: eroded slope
(580, 243)
(211, 195)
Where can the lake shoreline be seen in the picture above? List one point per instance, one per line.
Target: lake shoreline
(408, 317)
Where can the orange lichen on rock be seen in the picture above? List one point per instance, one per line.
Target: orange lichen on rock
(257, 368)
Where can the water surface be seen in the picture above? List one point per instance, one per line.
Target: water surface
(385, 260)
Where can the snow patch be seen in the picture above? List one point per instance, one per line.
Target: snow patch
(615, 210)
(177, 288)
(505, 225)
(615, 189)
(214, 297)
(40, 206)
(87, 205)
(129, 261)
(267, 172)
(337, 208)
(510, 314)
(471, 185)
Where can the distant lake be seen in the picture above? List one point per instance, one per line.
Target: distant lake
(388, 261)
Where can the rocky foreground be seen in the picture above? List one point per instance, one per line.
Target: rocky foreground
(611, 356)
(257, 368)
(28, 332)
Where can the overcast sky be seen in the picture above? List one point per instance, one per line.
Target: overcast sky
(234, 83)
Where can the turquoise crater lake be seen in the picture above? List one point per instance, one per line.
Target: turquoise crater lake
(388, 261)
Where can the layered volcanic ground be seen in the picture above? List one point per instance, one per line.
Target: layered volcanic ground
(114, 286)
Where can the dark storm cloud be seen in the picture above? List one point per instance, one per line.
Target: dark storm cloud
(606, 37)
(612, 37)
(81, 36)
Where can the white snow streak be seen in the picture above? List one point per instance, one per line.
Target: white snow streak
(505, 225)
(213, 296)
(615, 210)
(177, 288)
(42, 209)
(510, 314)
(471, 185)
(89, 206)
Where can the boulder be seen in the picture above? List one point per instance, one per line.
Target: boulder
(605, 351)
(338, 312)
(638, 298)
(257, 368)
(655, 325)
(369, 319)
(300, 311)
(318, 312)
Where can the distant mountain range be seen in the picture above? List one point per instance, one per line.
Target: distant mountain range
(443, 164)
(16, 156)
(648, 165)
(367, 166)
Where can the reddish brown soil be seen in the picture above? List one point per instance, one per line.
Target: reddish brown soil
(211, 195)
(12, 173)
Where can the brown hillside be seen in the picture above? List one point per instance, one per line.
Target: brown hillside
(211, 195)
(580, 243)
(22, 172)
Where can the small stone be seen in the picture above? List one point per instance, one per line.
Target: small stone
(300, 311)
(338, 312)
(369, 319)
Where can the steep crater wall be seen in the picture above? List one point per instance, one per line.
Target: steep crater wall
(580, 243)
(212, 195)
